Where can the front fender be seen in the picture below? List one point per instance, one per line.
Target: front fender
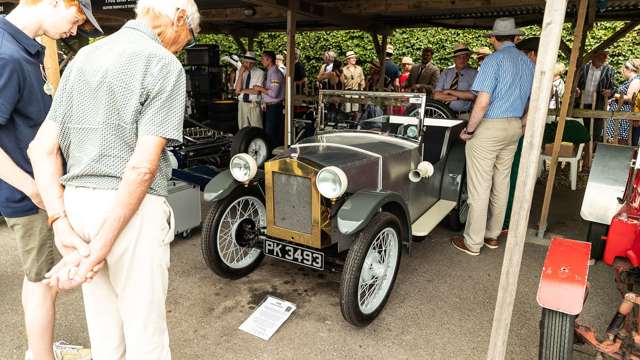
(563, 282)
(358, 210)
(220, 186)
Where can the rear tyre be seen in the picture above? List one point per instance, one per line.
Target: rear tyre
(370, 269)
(252, 141)
(594, 236)
(435, 109)
(457, 218)
(556, 335)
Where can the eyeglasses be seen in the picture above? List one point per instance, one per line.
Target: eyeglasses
(193, 41)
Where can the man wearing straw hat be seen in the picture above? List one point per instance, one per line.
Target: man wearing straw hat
(454, 83)
(481, 53)
(249, 75)
(502, 88)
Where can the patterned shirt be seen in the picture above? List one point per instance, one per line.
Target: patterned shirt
(274, 85)
(467, 75)
(506, 75)
(115, 90)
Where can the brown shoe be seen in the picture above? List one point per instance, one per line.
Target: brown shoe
(491, 243)
(458, 243)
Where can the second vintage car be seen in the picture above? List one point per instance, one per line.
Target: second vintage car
(349, 200)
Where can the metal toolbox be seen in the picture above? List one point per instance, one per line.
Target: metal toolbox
(184, 199)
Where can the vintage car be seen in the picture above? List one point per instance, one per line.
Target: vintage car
(348, 199)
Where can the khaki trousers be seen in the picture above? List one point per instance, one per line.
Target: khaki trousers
(249, 114)
(125, 303)
(489, 154)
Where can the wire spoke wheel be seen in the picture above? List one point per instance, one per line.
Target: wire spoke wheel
(230, 233)
(370, 269)
(231, 252)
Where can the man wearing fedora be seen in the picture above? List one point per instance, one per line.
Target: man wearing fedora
(391, 70)
(502, 88)
(249, 75)
(423, 76)
(454, 83)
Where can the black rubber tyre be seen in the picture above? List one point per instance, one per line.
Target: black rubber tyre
(556, 335)
(457, 218)
(349, 284)
(437, 109)
(242, 140)
(209, 241)
(594, 236)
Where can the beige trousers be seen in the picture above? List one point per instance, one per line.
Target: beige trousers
(125, 303)
(489, 154)
(249, 114)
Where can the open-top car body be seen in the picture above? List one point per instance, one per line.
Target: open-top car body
(349, 198)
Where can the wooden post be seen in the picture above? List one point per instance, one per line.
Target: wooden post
(290, 90)
(51, 64)
(564, 110)
(629, 27)
(527, 174)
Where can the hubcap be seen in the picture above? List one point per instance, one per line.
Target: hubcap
(378, 270)
(258, 150)
(235, 226)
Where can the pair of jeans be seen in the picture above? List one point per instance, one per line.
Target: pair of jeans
(274, 124)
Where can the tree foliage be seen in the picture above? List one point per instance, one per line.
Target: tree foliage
(409, 42)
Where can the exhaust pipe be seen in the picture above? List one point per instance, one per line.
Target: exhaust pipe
(424, 170)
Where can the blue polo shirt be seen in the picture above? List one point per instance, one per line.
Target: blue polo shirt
(506, 75)
(23, 108)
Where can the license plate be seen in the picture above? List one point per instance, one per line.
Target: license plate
(294, 254)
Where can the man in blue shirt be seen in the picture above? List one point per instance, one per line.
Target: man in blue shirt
(503, 87)
(25, 98)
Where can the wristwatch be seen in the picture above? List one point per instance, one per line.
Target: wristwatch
(55, 217)
(468, 132)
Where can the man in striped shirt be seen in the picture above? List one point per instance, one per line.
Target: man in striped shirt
(503, 87)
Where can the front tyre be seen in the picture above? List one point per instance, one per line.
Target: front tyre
(556, 335)
(370, 269)
(225, 252)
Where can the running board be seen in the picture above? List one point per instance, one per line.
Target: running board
(430, 219)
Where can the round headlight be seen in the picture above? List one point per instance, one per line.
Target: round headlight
(243, 167)
(331, 182)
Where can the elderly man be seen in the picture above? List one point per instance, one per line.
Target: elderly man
(423, 76)
(119, 105)
(503, 87)
(249, 75)
(25, 99)
(596, 80)
(273, 97)
(454, 84)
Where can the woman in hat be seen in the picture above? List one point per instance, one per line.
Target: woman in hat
(352, 77)
(405, 66)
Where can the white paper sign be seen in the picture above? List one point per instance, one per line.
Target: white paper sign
(268, 317)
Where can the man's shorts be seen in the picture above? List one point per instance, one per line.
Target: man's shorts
(36, 247)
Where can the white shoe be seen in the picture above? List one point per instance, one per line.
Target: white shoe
(65, 351)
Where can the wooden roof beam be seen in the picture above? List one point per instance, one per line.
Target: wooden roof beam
(313, 10)
(629, 27)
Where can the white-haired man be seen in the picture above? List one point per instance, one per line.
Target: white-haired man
(25, 98)
(119, 104)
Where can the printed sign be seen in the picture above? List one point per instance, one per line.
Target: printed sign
(113, 4)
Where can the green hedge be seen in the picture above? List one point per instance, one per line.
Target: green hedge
(409, 42)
